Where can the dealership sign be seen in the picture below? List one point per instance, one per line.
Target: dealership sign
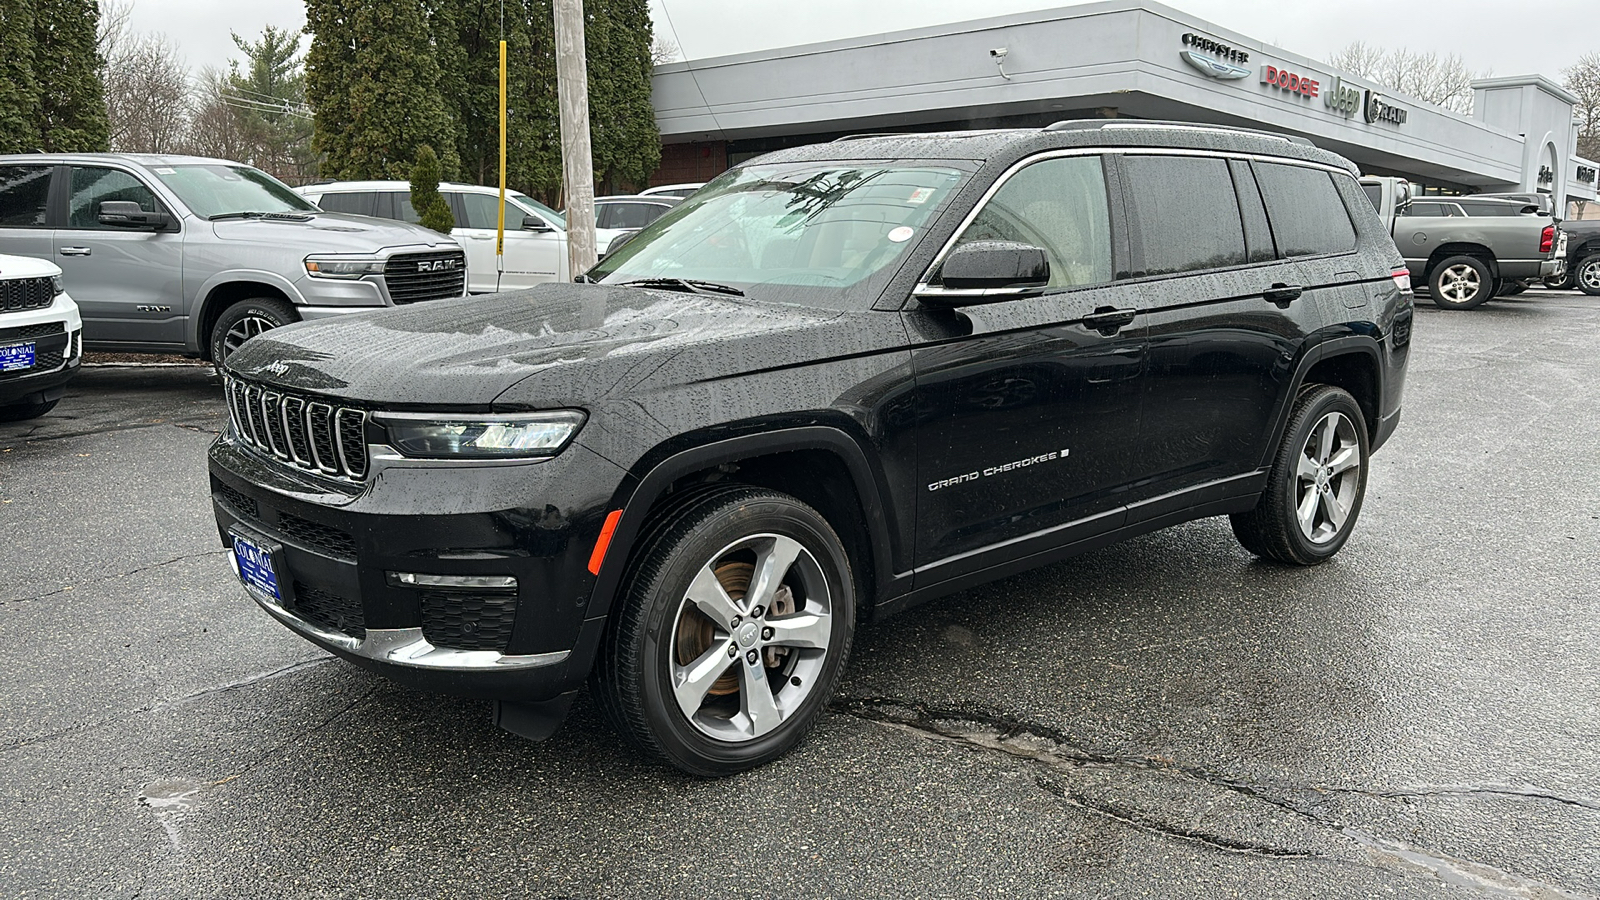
(1342, 98)
(1379, 110)
(1290, 82)
(1214, 59)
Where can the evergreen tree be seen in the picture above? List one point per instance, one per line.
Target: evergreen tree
(622, 122)
(71, 109)
(425, 196)
(19, 92)
(373, 78)
(269, 99)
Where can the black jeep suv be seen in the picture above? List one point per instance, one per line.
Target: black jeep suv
(838, 381)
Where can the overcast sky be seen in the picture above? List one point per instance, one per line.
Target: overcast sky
(1509, 38)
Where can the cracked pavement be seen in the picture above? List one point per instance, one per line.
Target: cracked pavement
(1163, 718)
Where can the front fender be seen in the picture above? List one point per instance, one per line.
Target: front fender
(201, 304)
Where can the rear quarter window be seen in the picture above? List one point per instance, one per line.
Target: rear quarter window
(362, 203)
(1308, 218)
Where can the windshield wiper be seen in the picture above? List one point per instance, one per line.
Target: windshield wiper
(250, 214)
(687, 285)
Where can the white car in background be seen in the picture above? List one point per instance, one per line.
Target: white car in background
(41, 338)
(672, 190)
(536, 235)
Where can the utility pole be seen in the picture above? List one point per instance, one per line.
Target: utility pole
(577, 161)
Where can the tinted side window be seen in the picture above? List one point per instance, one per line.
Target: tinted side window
(1424, 210)
(362, 203)
(401, 208)
(604, 215)
(1183, 213)
(1058, 205)
(481, 212)
(93, 186)
(1308, 218)
(1374, 194)
(24, 193)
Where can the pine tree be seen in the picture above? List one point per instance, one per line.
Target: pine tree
(622, 122)
(19, 91)
(425, 196)
(270, 94)
(71, 110)
(373, 78)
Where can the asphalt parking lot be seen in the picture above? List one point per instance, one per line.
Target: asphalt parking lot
(1165, 718)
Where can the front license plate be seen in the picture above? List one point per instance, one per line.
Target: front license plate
(255, 567)
(17, 356)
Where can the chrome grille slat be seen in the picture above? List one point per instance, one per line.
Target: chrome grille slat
(306, 434)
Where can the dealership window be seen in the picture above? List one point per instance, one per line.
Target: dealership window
(1308, 218)
(24, 192)
(1185, 215)
(1059, 206)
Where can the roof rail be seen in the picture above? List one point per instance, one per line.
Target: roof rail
(1167, 125)
(862, 137)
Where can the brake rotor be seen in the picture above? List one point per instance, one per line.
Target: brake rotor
(696, 631)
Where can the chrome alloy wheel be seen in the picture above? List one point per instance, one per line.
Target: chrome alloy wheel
(243, 330)
(1460, 284)
(750, 637)
(1589, 274)
(1328, 478)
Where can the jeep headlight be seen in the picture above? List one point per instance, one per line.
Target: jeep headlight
(346, 267)
(518, 436)
(56, 287)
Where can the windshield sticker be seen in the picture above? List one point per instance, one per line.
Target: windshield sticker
(901, 235)
(1003, 468)
(920, 196)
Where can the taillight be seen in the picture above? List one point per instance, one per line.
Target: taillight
(1547, 239)
(1402, 278)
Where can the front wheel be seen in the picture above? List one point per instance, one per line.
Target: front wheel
(734, 624)
(1587, 275)
(243, 321)
(1461, 282)
(1318, 480)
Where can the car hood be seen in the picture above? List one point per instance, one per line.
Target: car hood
(560, 344)
(326, 232)
(26, 267)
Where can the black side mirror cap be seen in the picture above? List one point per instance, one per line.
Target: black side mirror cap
(128, 214)
(534, 223)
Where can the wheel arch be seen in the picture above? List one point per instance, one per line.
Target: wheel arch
(821, 465)
(1461, 248)
(1352, 363)
(226, 289)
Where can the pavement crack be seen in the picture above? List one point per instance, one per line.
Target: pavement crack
(101, 580)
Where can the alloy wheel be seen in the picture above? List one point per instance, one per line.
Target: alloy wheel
(243, 330)
(1460, 283)
(1328, 478)
(1589, 274)
(750, 638)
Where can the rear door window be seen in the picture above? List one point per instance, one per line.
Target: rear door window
(1308, 218)
(24, 195)
(1183, 214)
(400, 207)
(92, 186)
(362, 203)
(1058, 205)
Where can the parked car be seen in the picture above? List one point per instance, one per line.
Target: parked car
(630, 213)
(1544, 202)
(838, 381)
(182, 254)
(1582, 269)
(672, 190)
(41, 338)
(1465, 260)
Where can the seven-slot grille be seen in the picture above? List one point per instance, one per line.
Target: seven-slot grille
(309, 434)
(26, 293)
(413, 277)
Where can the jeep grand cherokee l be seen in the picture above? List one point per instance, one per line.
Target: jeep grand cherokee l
(838, 381)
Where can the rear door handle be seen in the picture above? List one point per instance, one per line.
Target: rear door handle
(76, 251)
(1283, 294)
(1109, 321)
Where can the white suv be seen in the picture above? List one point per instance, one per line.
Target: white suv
(41, 338)
(536, 235)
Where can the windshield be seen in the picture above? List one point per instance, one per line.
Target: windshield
(532, 204)
(803, 232)
(214, 189)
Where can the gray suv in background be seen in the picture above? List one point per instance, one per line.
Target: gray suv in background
(178, 254)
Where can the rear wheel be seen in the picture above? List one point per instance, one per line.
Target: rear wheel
(22, 412)
(1317, 483)
(1587, 275)
(243, 321)
(733, 628)
(1461, 282)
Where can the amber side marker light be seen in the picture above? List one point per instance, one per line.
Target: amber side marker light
(604, 541)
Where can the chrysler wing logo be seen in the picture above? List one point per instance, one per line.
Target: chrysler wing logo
(1212, 66)
(437, 265)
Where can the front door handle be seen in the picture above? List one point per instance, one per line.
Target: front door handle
(1108, 320)
(1283, 294)
(76, 251)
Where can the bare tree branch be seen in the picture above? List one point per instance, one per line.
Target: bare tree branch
(1443, 80)
(147, 95)
(1583, 79)
(664, 51)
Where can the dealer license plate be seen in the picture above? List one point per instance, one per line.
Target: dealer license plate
(255, 567)
(17, 356)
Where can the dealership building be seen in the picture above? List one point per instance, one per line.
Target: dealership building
(1116, 59)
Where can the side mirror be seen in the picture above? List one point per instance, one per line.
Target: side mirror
(1402, 193)
(534, 223)
(619, 240)
(128, 214)
(988, 272)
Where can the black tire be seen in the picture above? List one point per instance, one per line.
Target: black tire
(1460, 282)
(1274, 529)
(1586, 275)
(244, 320)
(22, 412)
(656, 633)
(1564, 283)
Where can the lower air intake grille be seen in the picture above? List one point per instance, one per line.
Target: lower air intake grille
(330, 611)
(462, 621)
(325, 538)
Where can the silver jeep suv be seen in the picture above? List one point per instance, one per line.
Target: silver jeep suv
(180, 254)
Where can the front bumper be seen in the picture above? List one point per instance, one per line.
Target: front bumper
(339, 546)
(56, 332)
